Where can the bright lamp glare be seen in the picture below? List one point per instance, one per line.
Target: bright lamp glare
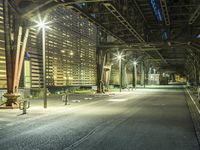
(119, 57)
(135, 63)
(41, 24)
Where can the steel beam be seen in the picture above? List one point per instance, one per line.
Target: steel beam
(81, 1)
(37, 7)
(139, 9)
(49, 4)
(161, 57)
(165, 13)
(195, 15)
(119, 17)
(129, 47)
(168, 59)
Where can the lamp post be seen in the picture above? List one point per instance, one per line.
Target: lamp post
(42, 25)
(154, 78)
(135, 73)
(119, 57)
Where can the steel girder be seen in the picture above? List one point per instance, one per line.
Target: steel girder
(165, 11)
(122, 20)
(195, 15)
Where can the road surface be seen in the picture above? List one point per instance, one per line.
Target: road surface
(151, 119)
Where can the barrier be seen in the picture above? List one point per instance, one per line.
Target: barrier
(24, 105)
(65, 99)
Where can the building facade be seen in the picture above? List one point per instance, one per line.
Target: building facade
(70, 52)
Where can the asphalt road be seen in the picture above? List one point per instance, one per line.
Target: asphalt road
(151, 119)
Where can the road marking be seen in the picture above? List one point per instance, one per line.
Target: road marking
(76, 101)
(193, 101)
(117, 100)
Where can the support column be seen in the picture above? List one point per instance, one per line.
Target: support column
(107, 71)
(142, 74)
(133, 76)
(124, 75)
(8, 52)
(99, 70)
(173, 78)
(14, 52)
(145, 74)
(120, 74)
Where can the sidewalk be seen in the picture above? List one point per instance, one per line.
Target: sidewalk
(12, 117)
(194, 107)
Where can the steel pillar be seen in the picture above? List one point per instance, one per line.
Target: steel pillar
(14, 53)
(142, 74)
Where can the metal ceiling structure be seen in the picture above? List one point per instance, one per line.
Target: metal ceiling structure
(163, 29)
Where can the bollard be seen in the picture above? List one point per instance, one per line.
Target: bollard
(65, 99)
(24, 106)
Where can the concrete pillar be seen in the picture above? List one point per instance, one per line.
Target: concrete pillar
(124, 75)
(173, 78)
(107, 71)
(142, 73)
(99, 70)
(146, 72)
(133, 76)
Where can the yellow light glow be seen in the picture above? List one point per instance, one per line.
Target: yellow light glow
(62, 51)
(71, 53)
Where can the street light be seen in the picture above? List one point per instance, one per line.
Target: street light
(135, 72)
(119, 57)
(41, 24)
